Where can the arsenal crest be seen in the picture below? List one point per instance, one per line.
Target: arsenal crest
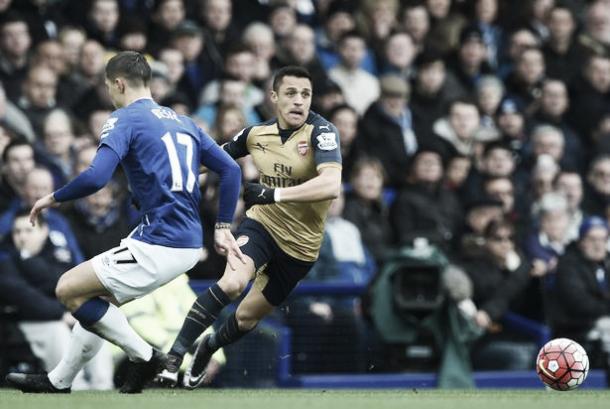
(302, 148)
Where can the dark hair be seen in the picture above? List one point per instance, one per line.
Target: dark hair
(462, 101)
(237, 48)
(341, 107)
(367, 161)
(25, 212)
(130, 65)
(351, 34)
(13, 17)
(495, 226)
(290, 71)
(18, 141)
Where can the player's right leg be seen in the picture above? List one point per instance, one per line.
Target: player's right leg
(256, 245)
(204, 312)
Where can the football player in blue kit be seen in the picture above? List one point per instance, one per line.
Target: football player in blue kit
(160, 153)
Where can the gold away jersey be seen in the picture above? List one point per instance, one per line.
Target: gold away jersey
(287, 158)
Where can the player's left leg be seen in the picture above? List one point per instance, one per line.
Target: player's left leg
(79, 290)
(268, 291)
(253, 308)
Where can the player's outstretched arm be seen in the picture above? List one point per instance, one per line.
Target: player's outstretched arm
(90, 181)
(325, 186)
(217, 160)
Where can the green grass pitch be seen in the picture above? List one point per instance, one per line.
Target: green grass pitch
(311, 399)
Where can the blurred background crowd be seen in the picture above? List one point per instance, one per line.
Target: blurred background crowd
(479, 129)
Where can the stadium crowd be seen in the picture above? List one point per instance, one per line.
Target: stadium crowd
(481, 127)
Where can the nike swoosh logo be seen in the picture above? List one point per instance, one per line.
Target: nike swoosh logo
(544, 370)
(194, 382)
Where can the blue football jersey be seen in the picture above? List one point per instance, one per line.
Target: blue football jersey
(160, 153)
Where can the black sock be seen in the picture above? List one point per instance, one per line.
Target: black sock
(228, 333)
(202, 314)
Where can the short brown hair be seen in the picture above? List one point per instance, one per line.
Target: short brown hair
(130, 65)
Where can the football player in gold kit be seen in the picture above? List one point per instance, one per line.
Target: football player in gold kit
(298, 157)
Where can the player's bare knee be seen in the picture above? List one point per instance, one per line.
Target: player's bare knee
(232, 286)
(62, 291)
(245, 320)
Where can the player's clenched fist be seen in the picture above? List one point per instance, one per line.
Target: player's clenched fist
(256, 194)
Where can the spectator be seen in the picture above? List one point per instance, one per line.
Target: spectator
(216, 16)
(519, 40)
(339, 21)
(38, 99)
(359, 87)
(15, 43)
(201, 65)
(18, 162)
(553, 108)
(399, 52)
(387, 131)
(97, 221)
(548, 140)
(596, 35)
(72, 40)
(103, 16)
(37, 184)
(544, 245)
(416, 21)
(376, 19)
(562, 54)
(58, 140)
(569, 183)
(597, 191)
(497, 160)
(132, 35)
(489, 93)
(230, 121)
(166, 17)
(542, 176)
(499, 278)
(526, 81)
(300, 49)
(461, 125)
(485, 16)
(511, 124)
(345, 118)
(458, 168)
(469, 62)
(425, 207)
(365, 208)
(479, 213)
(174, 62)
(239, 62)
(445, 25)
(582, 285)
(28, 280)
(232, 94)
(590, 96)
(433, 90)
(282, 20)
(259, 38)
(13, 118)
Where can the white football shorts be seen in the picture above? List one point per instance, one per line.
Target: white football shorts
(134, 268)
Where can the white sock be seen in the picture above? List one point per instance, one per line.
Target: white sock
(113, 326)
(82, 347)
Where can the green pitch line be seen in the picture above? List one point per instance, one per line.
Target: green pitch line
(310, 399)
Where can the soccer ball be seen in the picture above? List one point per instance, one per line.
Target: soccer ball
(562, 364)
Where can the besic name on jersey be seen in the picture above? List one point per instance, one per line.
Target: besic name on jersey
(277, 181)
(164, 113)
